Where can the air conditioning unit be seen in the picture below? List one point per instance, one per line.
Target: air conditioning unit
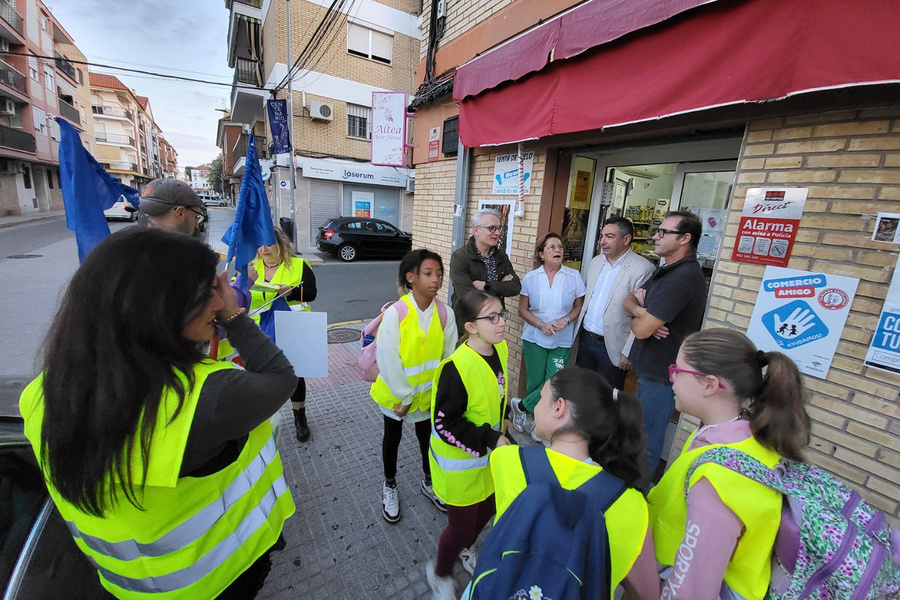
(7, 107)
(320, 111)
(410, 185)
(4, 45)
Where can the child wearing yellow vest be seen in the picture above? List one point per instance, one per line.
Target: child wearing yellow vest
(407, 353)
(276, 264)
(468, 420)
(592, 427)
(718, 542)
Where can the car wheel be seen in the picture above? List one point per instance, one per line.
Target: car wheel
(347, 252)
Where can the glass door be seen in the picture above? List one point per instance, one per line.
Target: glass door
(704, 188)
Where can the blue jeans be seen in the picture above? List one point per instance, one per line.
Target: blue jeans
(657, 401)
(592, 355)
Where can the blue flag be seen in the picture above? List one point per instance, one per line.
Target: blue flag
(252, 226)
(87, 191)
(278, 122)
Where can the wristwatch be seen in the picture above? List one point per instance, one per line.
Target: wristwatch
(568, 320)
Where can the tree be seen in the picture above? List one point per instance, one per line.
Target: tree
(215, 174)
(187, 172)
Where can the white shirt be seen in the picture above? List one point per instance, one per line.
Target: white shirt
(387, 354)
(593, 318)
(551, 303)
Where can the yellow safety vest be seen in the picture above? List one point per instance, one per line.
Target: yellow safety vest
(282, 276)
(195, 535)
(420, 354)
(626, 520)
(759, 508)
(458, 478)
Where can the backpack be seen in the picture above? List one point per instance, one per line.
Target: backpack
(367, 364)
(550, 542)
(832, 544)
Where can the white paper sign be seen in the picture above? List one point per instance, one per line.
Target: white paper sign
(506, 174)
(802, 314)
(303, 337)
(884, 351)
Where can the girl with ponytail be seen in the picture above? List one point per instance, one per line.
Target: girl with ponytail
(717, 539)
(592, 427)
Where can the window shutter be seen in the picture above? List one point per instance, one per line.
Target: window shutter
(358, 39)
(382, 47)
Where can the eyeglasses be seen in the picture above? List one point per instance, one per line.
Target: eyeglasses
(492, 228)
(199, 218)
(673, 369)
(494, 318)
(663, 232)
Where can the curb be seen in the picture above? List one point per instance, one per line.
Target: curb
(342, 323)
(15, 221)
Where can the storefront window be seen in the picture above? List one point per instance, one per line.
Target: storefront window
(578, 205)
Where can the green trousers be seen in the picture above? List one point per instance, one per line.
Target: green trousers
(540, 365)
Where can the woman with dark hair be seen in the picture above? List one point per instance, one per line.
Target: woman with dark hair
(720, 537)
(551, 298)
(169, 479)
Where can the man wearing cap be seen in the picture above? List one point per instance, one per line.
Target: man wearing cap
(171, 205)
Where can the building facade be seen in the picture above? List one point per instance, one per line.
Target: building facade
(686, 106)
(200, 178)
(169, 158)
(38, 83)
(372, 48)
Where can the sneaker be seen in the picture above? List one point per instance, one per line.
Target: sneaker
(428, 492)
(520, 415)
(390, 503)
(468, 558)
(442, 588)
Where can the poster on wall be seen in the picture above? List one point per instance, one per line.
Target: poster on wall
(434, 143)
(886, 229)
(884, 351)
(506, 174)
(769, 225)
(582, 183)
(389, 129)
(802, 314)
(505, 209)
(362, 203)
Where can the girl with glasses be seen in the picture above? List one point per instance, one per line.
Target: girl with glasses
(468, 420)
(718, 539)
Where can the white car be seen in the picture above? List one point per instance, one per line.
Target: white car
(213, 200)
(122, 209)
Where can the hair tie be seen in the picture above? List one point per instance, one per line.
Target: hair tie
(615, 394)
(761, 358)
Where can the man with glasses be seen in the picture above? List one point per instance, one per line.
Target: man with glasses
(171, 205)
(667, 309)
(481, 265)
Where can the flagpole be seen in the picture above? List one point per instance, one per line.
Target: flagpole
(291, 129)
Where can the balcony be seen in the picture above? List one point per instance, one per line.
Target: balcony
(12, 78)
(63, 64)
(115, 138)
(120, 166)
(16, 139)
(109, 110)
(8, 13)
(246, 71)
(253, 3)
(69, 112)
(239, 152)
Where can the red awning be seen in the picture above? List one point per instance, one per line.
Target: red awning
(725, 53)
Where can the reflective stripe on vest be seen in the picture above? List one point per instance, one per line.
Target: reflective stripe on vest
(212, 559)
(458, 464)
(418, 369)
(195, 527)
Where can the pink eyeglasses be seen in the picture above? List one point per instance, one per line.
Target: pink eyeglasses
(673, 369)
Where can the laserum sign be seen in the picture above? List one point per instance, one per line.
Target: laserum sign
(353, 172)
(769, 225)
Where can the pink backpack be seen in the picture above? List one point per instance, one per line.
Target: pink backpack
(367, 365)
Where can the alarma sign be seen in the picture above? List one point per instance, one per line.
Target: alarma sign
(769, 225)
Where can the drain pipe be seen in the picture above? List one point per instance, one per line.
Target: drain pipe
(460, 199)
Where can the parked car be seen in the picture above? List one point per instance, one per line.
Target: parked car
(121, 210)
(209, 200)
(38, 557)
(351, 237)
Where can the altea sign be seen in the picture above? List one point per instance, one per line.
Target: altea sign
(769, 225)
(389, 129)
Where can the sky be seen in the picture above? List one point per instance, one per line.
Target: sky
(177, 37)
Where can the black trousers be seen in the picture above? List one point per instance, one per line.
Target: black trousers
(390, 445)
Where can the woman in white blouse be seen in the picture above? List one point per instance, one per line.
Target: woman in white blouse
(550, 300)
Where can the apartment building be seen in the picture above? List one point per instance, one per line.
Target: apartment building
(200, 178)
(42, 76)
(373, 47)
(126, 135)
(228, 135)
(169, 158)
(697, 106)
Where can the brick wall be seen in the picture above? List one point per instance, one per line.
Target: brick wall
(850, 162)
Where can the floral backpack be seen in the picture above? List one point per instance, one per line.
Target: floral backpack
(831, 544)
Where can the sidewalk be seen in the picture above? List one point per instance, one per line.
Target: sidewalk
(9, 221)
(338, 544)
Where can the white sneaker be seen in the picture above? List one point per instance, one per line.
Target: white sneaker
(469, 559)
(390, 503)
(442, 588)
(520, 415)
(428, 492)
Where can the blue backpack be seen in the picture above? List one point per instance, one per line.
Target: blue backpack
(550, 542)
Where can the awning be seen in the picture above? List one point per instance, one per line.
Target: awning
(716, 55)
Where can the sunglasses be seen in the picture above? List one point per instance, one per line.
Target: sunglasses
(199, 218)
(674, 369)
(494, 318)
